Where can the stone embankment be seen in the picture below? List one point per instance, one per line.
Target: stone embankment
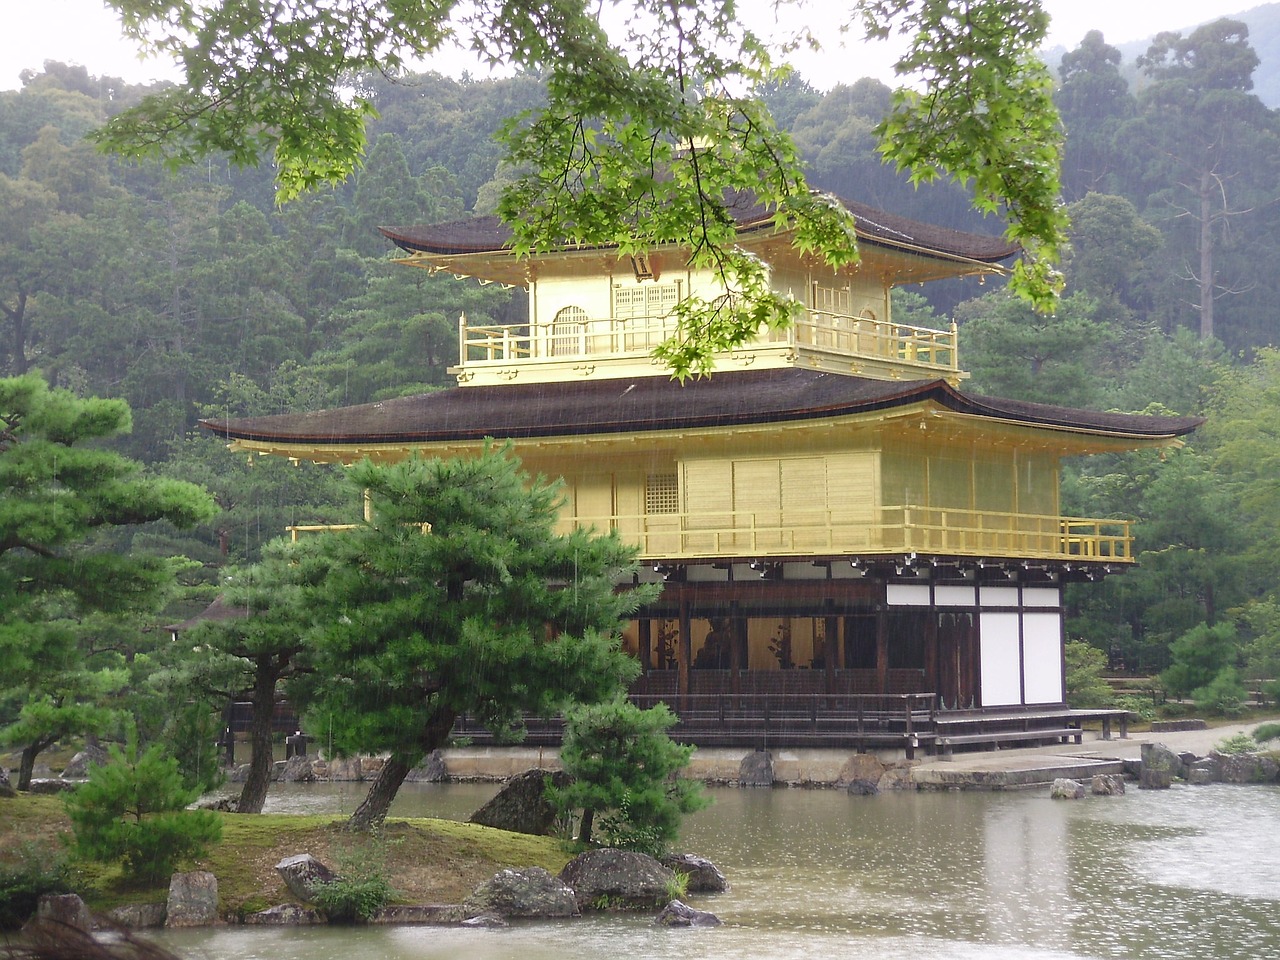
(600, 880)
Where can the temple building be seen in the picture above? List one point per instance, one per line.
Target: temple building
(852, 548)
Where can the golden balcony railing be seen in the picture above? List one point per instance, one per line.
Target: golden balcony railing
(765, 534)
(896, 529)
(599, 338)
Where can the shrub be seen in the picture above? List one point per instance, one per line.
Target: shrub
(1237, 743)
(132, 809)
(625, 766)
(1266, 731)
(361, 888)
(1223, 695)
(1199, 657)
(30, 871)
(1143, 708)
(1085, 686)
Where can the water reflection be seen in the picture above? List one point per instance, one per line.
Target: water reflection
(1186, 873)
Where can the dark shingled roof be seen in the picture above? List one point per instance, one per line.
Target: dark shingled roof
(594, 407)
(491, 235)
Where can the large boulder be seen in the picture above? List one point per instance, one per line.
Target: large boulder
(285, 915)
(303, 874)
(50, 785)
(1158, 757)
(860, 772)
(91, 756)
(349, 769)
(1064, 788)
(1243, 768)
(1154, 779)
(1106, 785)
(702, 876)
(679, 914)
(431, 770)
(193, 900)
(756, 769)
(138, 916)
(65, 909)
(531, 892)
(296, 769)
(521, 806)
(897, 776)
(618, 880)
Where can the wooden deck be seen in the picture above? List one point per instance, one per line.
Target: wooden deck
(909, 722)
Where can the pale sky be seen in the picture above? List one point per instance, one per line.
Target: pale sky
(84, 32)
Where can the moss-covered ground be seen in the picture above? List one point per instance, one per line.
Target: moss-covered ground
(427, 861)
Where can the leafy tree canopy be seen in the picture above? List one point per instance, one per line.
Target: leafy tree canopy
(459, 598)
(645, 135)
(56, 492)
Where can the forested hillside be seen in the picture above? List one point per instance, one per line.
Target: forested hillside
(192, 294)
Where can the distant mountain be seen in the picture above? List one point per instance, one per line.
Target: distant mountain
(1264, 36)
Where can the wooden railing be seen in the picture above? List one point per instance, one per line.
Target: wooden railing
(598, 338)
(899, 529)
(848, 721)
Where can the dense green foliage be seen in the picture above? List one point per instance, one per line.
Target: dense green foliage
(1086, 667)
(65, 600)
(26, 874)
(491, 614)
(361, 887)
(132, 809)
(626, 768)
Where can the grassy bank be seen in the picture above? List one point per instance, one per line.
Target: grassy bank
(427, 861)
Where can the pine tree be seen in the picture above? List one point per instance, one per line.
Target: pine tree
(459, 597)
(56, 491)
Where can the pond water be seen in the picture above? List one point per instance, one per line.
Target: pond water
(1192, 872)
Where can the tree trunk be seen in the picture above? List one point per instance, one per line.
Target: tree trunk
(373, 808)
(253, 795)
(588, 821)
(1206, 257)
(27, 765)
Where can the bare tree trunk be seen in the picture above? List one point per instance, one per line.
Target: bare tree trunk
(27, 765)
(253, 795)
(1206, 258)
(586, 824)
(373, 808)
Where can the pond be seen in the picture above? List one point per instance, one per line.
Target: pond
(1192, 872)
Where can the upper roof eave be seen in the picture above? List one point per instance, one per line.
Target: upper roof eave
(655, 404)
(489, 235)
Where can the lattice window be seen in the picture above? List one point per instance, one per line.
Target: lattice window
(662, 493)
(567, 331)
(644, 300)
(831, 300)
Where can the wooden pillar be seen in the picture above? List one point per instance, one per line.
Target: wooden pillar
(931, 652)
(684, 649)
(831, 647)
(645, 644)
(882, 648)
(737, 647)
